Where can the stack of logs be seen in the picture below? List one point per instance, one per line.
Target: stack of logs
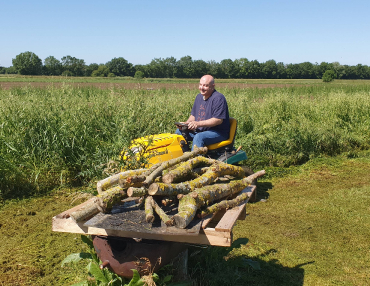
(193, 181)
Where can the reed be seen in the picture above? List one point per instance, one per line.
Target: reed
(55, 136)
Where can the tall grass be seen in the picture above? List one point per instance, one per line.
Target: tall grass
(65, 135)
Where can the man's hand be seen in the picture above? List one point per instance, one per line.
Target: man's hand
(192, 125)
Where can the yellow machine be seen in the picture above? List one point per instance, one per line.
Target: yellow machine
(166, 146)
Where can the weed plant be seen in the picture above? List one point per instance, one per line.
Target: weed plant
(55, 136)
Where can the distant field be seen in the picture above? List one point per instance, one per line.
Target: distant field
(9, 81)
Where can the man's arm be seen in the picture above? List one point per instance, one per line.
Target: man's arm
(190, 119)
(192, 125)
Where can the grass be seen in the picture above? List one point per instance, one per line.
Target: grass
(313, 229)
(63, 136)
(310, 227)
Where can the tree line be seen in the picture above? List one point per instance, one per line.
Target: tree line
(28, 63)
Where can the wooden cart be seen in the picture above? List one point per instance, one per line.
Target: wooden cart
(213, 230)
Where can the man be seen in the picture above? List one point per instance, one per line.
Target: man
(209, 120)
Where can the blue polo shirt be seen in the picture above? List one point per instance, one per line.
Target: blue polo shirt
(214, 107)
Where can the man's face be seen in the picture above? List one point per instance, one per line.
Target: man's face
(206, 87)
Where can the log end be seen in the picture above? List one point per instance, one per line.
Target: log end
(167, 179)
(130, 191)
(149, 218)
(179, 221)
(153, 188)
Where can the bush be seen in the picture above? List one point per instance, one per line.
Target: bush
(139, 75)
(328, 76)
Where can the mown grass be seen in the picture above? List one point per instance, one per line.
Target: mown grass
(56, 136)
(312, 229)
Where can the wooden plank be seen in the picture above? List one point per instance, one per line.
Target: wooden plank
(210, 237)
(227, 222)
(221, 235)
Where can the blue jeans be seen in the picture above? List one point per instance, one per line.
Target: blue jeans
(205, 138)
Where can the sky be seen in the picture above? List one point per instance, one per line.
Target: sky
(97, 31)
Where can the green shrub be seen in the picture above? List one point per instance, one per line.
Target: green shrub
(139, 75)
(328, 76)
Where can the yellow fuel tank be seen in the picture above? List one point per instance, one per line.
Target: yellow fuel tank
(159, 147)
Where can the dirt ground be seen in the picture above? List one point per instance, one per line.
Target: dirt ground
(8, 85)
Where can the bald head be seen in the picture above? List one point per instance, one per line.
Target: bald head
(207, 79)
(206, 86)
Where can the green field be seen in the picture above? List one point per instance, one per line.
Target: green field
(312, 138)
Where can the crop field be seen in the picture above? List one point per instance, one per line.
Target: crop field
(313, 139)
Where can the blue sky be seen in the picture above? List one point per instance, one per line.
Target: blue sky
(98, 31)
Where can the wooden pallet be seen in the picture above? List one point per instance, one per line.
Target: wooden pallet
(215, 230)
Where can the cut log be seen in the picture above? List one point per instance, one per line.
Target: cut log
(87, 211)
(166, 201)
(103, 185)
(149, 214)
(186, 156)
(164, 217)
(109, 198)
(137, 192)
(225, 204)
(185, 169)
(161, 189)
(190, 203)
(133, 181)
(213, 173)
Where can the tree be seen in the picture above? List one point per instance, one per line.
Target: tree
(120, 67)
(254, 69)
(73, 66)
(142, 68)
(228, 68)
(328, 76)
(90, 68)
(102, 71)
(269, 69)
(27, 63)
(281, 70)
(213, 68)
(242, 67)
(139, 75)
(200, 68)
(52, 66)
(185, 67)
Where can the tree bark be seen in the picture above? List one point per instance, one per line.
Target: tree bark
(186, 156)
(103, 185)
(185, 169)
(214, 172)
(136, 192)
(190, 203)
(86, 212)
(226, 204)
(109, 198)
(133, 181)
(164, 217)
(149, 214)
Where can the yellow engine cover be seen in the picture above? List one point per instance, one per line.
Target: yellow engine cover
(159, 147)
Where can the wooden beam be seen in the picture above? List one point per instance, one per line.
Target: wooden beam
(208, 237)
(227, 222)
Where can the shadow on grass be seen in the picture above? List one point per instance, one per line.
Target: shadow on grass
(220, 266)
(262, 190)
